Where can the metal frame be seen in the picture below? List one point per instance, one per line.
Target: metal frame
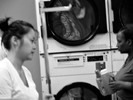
(43, 10)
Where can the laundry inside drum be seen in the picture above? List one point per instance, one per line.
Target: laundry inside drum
(76, 24)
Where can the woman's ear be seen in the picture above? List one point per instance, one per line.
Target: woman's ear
(14, 41)
(130, 42)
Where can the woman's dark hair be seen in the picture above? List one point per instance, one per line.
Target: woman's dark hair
(127, 31)
(17, 28)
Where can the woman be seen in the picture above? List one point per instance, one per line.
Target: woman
(19, 39)
(123, 84)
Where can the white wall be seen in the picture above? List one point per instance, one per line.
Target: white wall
(24, 10)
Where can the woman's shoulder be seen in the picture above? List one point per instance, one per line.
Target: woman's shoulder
(5, 70)
(6, 66)
(4, 63)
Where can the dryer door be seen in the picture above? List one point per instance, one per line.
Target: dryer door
(76, 26)
(126, 12)
(123, 13)
(79, 91)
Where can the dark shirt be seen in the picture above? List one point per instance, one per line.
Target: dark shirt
(125, 74)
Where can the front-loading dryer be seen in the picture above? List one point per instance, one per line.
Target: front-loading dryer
(78, 41)
(73, 74)
(84, 27)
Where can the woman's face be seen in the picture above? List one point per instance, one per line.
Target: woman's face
(122, 44)
(28, 45)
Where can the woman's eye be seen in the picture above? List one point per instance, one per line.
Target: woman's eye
(32, 41)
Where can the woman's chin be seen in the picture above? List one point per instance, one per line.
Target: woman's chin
(30, 57)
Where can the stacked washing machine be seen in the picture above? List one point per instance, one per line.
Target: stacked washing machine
(78, 42)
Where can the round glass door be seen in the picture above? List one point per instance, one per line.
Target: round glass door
(76, 26)
(79, 91)
(126, 12)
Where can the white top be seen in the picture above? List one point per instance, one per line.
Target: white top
(11, 85)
